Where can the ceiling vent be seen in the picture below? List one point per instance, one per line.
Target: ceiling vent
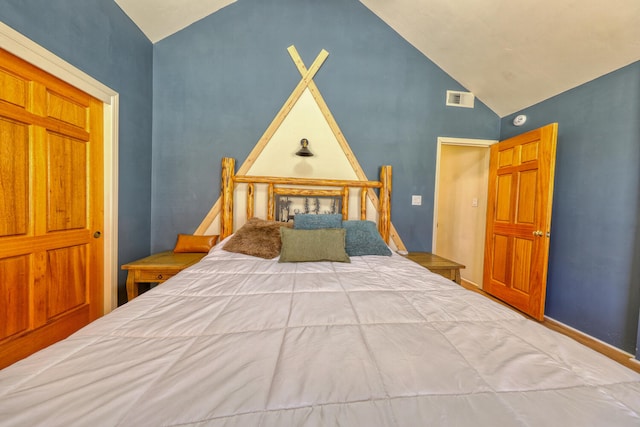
(460, 99)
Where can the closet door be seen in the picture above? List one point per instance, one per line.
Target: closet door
(51, 213)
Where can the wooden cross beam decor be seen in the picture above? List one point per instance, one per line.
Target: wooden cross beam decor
(315, 92)
(307, 79)
(305, 82)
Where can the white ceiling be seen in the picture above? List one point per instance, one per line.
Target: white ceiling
(510, 54)
(160, 18)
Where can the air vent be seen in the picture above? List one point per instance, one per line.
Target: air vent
(460, 99)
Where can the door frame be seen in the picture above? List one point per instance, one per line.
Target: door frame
(22, 47)
(445, 140)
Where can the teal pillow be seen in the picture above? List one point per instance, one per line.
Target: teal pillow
(313, 222)
(363, 239)
(324, 244)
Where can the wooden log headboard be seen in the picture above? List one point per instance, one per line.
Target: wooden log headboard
(303, 187)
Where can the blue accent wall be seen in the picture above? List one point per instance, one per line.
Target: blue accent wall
(98, 38)
(219, 83)
(594, 283)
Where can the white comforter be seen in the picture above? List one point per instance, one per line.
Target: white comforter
(240, 341)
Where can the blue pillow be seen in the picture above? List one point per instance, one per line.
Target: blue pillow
(313, 222)
(363, 239)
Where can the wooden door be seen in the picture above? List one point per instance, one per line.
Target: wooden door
(519, 204)
(51, 209)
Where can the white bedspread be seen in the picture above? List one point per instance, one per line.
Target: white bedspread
(240, 341)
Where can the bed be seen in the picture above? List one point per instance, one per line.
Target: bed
(240, 340)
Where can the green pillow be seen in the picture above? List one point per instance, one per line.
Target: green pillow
(324, 244)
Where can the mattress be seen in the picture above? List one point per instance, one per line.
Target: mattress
(236, 340)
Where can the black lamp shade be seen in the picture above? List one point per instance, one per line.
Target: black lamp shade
(304, 151)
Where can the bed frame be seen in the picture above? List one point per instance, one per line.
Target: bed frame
(303, 187)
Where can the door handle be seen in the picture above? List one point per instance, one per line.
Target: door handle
(97, 234)
(538, 233)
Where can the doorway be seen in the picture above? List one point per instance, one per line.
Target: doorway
(460, 203)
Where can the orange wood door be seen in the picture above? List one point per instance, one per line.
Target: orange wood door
(51, 204)
(519, 204)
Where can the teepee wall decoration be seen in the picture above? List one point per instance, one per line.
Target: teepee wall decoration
(306, 85)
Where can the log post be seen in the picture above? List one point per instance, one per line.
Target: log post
(363, 204)
(345, 203)
(250, 200)
(384, 222)
(226, 184)
(271, 205)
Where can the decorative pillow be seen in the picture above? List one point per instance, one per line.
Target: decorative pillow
(191, 243)
(257, 238)
(325, 244)
(313, 221)
(363, 239)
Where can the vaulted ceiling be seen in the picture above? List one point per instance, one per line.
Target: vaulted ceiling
(510, 54)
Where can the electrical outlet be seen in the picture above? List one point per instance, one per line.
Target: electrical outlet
(416, 200)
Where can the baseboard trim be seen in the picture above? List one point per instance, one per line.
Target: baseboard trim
(620, 356)
(469, 284)
(614, 353)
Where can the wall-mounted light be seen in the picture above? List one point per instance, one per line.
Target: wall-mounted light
(304, 151)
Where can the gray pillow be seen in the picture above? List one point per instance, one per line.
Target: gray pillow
(324, 244)
(363, 239)
(313, 222)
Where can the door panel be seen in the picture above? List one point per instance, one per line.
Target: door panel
(526, 213)
(66, 183)
(14, 177)
(522, 252)
(14, 300)
(13, 88)
(519, 205)
(505, 157)
(66, 110)
(66, 280)
(503, 195)
(529, 152)
(500, 261)
(51, 197)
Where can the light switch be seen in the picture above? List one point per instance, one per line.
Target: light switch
(474, 202)
(416, 200)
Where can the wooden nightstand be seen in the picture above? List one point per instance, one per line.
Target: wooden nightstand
(157, 268)
(437, 264)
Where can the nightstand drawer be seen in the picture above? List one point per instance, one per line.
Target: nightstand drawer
(153, 275)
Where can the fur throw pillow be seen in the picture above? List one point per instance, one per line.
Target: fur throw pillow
(257, 238)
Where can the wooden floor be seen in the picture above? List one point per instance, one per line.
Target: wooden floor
(619, 356)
